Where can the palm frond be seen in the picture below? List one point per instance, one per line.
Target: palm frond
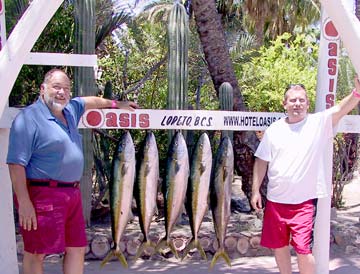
(109, 25)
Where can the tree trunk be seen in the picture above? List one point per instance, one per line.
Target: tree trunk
(217, 56)
(84, 83)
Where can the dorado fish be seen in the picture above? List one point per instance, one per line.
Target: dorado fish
(220, 195)
(121, 193)
(177, 174)
(198, 190)
(145, 189)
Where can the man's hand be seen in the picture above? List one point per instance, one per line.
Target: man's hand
(256, 201)
(26, 210)
(357, 83)
(127, 105)
(259, 172)
(27, 215)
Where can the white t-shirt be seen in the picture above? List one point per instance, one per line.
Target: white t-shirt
(299, 158)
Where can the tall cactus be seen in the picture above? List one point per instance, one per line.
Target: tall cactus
(178, 43)
(84, 85)
(226, 103)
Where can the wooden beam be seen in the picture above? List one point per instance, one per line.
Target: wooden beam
(20, 42)
(61, 59)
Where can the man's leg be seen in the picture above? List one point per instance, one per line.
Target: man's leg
(74, 260)
(283, 259)
(306, 263)
(33, 263)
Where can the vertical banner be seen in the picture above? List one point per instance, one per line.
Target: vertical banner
(325, 98)
(328, 64)
(2, 24)
(348, 26)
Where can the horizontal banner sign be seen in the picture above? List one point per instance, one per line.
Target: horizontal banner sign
(182, 119)
(178, 119)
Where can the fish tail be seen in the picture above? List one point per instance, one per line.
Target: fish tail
(173, 249)
(201, 250)
(142, 248)
(115, 253)
(161, 244)
(218, 254)
(189, 246)
(164, 242)
(194, 243)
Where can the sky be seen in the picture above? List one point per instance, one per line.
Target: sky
(130, 5)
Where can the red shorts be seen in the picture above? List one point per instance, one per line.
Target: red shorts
(60, 220)
(289, 223)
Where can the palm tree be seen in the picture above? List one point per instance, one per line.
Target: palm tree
(272, 17)
(217, 56)
(268, 18)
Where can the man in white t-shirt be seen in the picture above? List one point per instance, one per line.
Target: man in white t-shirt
(296, 152)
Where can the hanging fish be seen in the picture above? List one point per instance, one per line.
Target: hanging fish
(177, 174)
(198, 190)
(145, 189)
(121, 193)
(220, 195)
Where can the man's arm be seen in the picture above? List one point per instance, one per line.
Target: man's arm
(346, 104)
(92, 102)
(27, 215)
(259, 172)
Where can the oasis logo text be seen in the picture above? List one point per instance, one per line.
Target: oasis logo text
(97, 119)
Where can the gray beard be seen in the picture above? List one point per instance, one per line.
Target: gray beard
(56, 107)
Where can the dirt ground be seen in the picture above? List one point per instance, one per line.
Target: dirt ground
(339, 264)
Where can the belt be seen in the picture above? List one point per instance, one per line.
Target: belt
(53, 183)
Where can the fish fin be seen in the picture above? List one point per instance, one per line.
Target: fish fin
(163, 243)
(202, 168)
(201, 250)
(147, 169)
(225, 173)
(107, 258)
(194, 244)
(122, 259)
(173, 249)
(189, 246)
(124, 169)
(114, 253)
(218, 254)
(142, 248)
(177, 167)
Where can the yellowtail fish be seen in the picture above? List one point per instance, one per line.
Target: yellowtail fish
(198, 190)
(121, 193)
(146, 184)
(220, 195)
(177, 174)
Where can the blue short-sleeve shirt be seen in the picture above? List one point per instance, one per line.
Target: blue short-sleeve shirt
(46, 147)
